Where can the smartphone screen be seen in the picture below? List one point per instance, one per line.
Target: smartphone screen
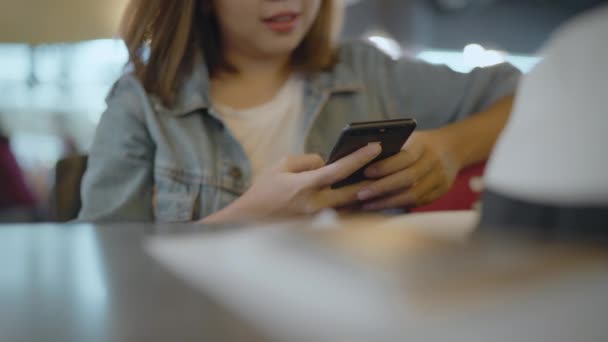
(390, 134)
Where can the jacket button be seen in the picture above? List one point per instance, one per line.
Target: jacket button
(236, 173)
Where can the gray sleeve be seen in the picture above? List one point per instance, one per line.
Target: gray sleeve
(118, 183)
(436, 95)
(433, 94)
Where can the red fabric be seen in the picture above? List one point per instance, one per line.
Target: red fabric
(462, 196)
(13, 189)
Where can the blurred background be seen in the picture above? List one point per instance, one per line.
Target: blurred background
(59, 58)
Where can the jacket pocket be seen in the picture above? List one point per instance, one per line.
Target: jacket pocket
(183, 196)
(232, 183)
(176, 199)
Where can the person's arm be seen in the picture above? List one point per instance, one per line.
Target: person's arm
(471, 140)
(438, 96)
(428, 164)
(118, 183)
(460, 117)
(298, 185)
(463, 114)
(433, 94)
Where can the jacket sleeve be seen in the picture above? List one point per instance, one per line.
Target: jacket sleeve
(433, 94)
(118, 183)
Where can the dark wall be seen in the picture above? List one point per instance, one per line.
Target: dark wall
(517, 26)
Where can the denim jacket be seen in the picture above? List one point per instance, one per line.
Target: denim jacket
(179, 164)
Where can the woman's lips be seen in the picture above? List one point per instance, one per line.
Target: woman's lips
(284, 22)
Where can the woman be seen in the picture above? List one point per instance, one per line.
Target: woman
(226, 96)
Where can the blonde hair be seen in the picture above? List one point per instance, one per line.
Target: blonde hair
(165, 36)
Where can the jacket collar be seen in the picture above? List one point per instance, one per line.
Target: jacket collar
(194, 93)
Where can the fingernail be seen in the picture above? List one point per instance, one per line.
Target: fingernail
(365, 194)
(373, 150)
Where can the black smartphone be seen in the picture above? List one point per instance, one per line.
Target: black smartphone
(391, 134)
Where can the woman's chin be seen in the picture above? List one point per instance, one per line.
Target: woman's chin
(279, 51)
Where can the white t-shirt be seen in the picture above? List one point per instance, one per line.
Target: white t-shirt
(271, 131)
(555, 148)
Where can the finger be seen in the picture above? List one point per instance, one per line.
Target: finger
(302, 163)
(424, 187)
(400, 180)
(346, 166)
(431, 197)
(406, 198)
(347, 209)
(343, 197)
(398, 162)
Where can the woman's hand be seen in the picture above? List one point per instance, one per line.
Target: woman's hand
(299, 185)
(423, 171)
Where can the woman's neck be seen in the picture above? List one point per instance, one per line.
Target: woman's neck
(255, 82)
(268, 67)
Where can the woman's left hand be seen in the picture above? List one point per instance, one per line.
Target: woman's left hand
(423, 171)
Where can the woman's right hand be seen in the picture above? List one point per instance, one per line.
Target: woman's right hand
(298, 185)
